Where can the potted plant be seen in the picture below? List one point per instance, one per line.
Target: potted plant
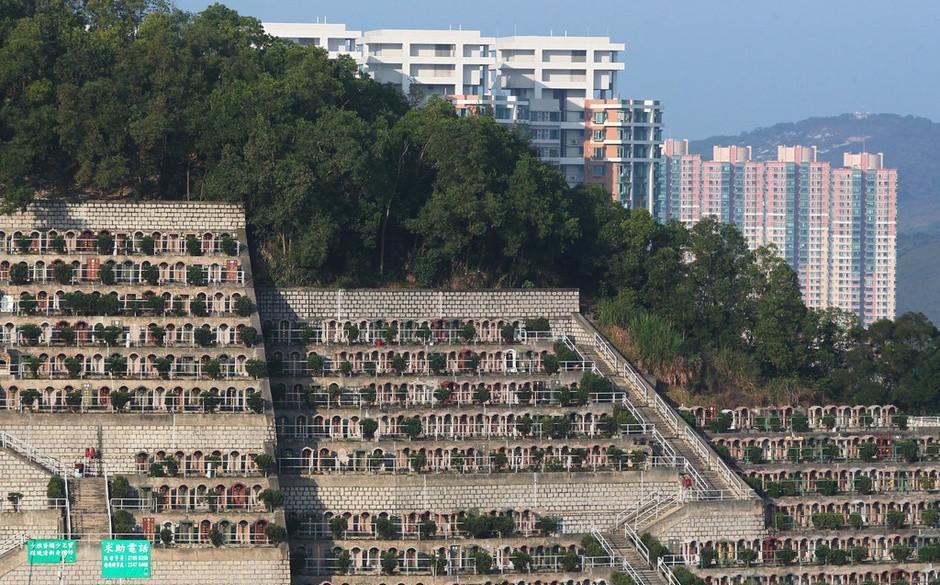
(14, 498)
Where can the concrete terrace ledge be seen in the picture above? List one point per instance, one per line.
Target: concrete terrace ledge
(593, 576)
(10, 419)
(654, 475)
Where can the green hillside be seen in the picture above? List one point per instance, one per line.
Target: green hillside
(919, 274)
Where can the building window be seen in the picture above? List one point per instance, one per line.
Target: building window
(599, 135)
(598, 170)
(600, 117)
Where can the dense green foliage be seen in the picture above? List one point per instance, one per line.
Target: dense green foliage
(342, 181)
(704, 312)
(346, 183)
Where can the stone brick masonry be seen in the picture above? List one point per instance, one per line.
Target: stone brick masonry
(14, 525)
(66, 436)
(144, 216)
(579, 500)
(738, 519)
(308, 304)
(19, 475)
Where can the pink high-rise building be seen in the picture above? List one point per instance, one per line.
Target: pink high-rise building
(693, 188)
(837, 227)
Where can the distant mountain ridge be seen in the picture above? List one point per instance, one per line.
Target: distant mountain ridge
(910, 143)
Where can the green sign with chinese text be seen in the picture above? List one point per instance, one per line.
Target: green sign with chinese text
(44, 551)
(125, 559)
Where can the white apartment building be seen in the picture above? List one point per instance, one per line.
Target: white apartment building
(540, 82)
(332, 37)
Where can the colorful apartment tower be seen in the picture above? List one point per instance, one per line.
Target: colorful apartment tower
(835, 226)
(691, 188)
(551, 88)
(622, 149)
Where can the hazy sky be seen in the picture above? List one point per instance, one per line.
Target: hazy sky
(719, 66)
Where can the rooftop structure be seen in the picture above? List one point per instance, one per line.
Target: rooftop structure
(425, 435)
(549, 85)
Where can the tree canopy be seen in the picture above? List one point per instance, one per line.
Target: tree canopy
(345, 182)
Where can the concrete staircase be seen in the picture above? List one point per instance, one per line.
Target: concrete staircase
(632, 557)
(711, 478)
(712, 482)
(626, 558)
(90, 508)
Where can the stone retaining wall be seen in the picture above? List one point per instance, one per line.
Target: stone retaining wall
(19, 475)
(711, 520)
(144, 216)
(580, 500)
(303, 304)
(14, 525)
(66, 436)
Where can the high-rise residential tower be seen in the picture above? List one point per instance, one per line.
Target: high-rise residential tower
(691, 188)
(835, 226)
(560, 90)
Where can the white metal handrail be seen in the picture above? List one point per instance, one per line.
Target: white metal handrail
(171, 504)
(352, 396)
(68, 508)
(666, 572)
(180, 338)
(474, 430)
(208, 470)
(631, 535)
(313, 528)
(404, 336)
(920, 422)
(421, 367)
(13, 306)
(52, 464)
(24, 449)
(191, 371)
(14, 546)
(540, 563)
(615, 555)
(107, 502)
(676, 423)
(392, 464)
(133, 246)
(660, 566)
(152, 407)
(219, 275)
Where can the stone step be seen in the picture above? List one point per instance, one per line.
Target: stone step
(88, 524)
(89, 506)
(713, 480)
(639, 565)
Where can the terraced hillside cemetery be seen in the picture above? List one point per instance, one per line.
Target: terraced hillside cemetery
(134, 403)
(153, 396)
